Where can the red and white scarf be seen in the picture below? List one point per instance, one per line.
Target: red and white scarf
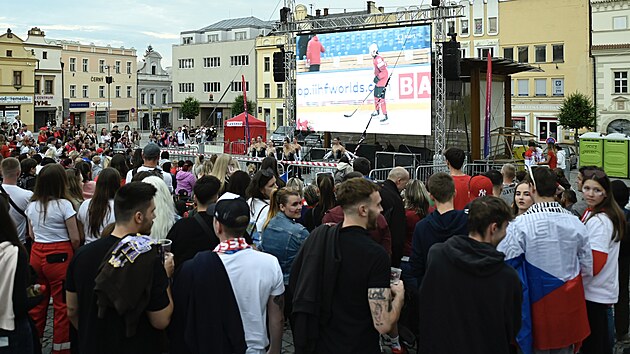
(232, 246)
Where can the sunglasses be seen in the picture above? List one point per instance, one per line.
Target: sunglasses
(594, 173)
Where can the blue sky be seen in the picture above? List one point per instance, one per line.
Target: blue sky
(138, 23)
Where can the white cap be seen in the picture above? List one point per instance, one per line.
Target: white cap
(373, 49)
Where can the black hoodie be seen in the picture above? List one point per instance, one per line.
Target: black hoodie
(470, 300)
(435, 228)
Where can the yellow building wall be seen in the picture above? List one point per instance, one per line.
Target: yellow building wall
(22, 60)
(265, 47)
(541, 22)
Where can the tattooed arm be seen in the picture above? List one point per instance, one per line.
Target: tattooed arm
(385, 310)
(275, 310)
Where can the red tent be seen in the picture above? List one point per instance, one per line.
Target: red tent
(234, 131)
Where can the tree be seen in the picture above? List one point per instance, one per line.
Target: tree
(577, 112)
(190, 108)
(237, 106)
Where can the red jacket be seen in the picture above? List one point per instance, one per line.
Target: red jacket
(314, 51)
(381, 235)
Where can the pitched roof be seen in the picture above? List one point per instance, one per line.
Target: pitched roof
(238, 23)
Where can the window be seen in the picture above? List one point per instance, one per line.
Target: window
(523, 54)
(101, 66)
(212, 62)
(463, 52)
(101, 91)
(48, 87)
(558, 52)
(483, 52)
(128, 67)
(557, 87)
(523, 87)
(279, 117)
(186, 87)
(122, 116)
(239, 60)
(237, 86)
(37, 86)
(164, 98)
(143, 98)
(152, 99)
(9, 53)
(85, 65)
(267, 66)
(541, 87)
(17, 78)
(450, 26)
(518, 123)
(153, 69)
(73, 64)
(508, 53)
(44, 55)
(73, 91)
(117, 67)
(267, 91)
(186, 63)
(211, 86)
(478, 26)
(117, 91)
(492, 25)
(187, 40)
(279, 90)
(239, 36)
(620, 23)
(541, 53)
(512, 87)
(464, 27)
(213, 38)
(85, 91)
(128, 91)
(621, 81)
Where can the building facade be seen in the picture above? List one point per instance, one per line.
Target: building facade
(49, 96)
(557, 44)
(208, 65)
(85, 70)
(17, 80)
(270, 94)
(154, 91)
(611, 55)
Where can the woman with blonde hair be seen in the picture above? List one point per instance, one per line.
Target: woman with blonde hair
(75, 187)
(164, 208)
(205, 169)
(416, 198)
(220, 170)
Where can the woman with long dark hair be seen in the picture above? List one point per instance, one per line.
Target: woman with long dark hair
(98, 212)
(259, 192)
(605, 225)
(119, 163)
(326, 185)
(56, 235)
(136, 159)
(13, 271)
(75, 187)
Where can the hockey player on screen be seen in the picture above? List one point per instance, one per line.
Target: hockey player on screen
(380, 81)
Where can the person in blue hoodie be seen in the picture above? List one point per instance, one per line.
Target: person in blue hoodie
(438, 226)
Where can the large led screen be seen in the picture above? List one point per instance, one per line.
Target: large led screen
(345, 78)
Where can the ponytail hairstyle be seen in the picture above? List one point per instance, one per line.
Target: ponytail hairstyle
(326, 186)
(278, 197)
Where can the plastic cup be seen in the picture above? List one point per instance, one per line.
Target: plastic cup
(165, 244)
(395, 275)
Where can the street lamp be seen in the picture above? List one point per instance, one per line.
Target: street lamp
(108, 81)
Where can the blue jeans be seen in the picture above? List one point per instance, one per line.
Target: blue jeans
(20, 340)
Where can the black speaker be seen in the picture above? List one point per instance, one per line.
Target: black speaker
(278, 66)
(435, 2)
(452, 59)
(284, 14)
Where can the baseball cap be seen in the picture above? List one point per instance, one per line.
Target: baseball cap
(151, 151)
(99, 150)
(230, 210)
(479, 186)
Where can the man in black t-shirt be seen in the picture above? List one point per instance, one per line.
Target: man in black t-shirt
(195, 233)
(363, 303)
(134, 210)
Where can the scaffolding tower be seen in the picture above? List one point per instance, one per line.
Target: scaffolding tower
(437, 16)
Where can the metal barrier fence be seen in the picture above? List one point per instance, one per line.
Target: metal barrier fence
(423, 172)
(380, 174)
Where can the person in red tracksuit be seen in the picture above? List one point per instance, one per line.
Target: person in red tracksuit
(53, 223)
(314, 53)
(381, 76)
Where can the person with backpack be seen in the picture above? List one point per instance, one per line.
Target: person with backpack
(18, 198)
(150, 158)
(259, 193)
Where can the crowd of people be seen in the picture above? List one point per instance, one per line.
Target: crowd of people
(143, 254)
(183, 136)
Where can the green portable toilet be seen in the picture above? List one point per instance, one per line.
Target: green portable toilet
(591, 150)
(616, 155)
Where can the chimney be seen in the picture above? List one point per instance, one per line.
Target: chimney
(381, 9)
(325, 11)
(318, 13)
(370, 6)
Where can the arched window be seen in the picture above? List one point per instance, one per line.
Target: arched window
(619, 126)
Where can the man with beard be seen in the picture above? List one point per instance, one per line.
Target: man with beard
(133, 276)
(349, 274)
